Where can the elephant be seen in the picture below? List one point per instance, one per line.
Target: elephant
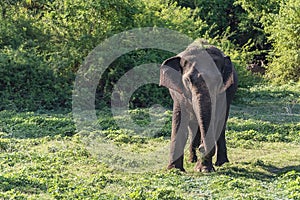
(202, 82)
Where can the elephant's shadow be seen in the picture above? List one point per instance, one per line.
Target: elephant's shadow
(265, 172)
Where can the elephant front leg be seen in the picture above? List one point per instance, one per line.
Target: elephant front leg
(178, 138)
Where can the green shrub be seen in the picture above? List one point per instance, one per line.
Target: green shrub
(254, 19)
(284, 32)
(278, 25)
(28, 84)
(43, 43)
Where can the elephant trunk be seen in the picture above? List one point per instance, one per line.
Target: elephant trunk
(202, 107)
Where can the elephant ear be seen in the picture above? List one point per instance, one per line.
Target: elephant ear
(171, 74)
(227, 73)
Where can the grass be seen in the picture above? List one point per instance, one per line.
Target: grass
(42, 156)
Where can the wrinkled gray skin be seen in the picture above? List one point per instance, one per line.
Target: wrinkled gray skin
(192, 106)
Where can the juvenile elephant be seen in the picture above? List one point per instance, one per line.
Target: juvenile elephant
(202, 82)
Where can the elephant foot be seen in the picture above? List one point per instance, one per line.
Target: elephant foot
(204, 167)
(174, 167)
(178, 164)
(221, 162)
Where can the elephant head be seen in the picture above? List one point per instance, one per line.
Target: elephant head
(175, 72)
(198, 79)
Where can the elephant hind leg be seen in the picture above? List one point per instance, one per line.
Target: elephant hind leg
(194, 146)
(221, 145)
(195, 141)
(222, 157)
(193, 157)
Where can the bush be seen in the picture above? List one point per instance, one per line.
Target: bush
(28, 84)
(253, 19)
(285, 34)
(278, 21)
(43, 43)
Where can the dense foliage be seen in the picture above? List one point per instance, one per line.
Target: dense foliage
(43, 43)
(284, 32)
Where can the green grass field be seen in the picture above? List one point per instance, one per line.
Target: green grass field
(43, 157)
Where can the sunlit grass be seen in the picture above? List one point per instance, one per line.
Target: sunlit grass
(43, 157)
